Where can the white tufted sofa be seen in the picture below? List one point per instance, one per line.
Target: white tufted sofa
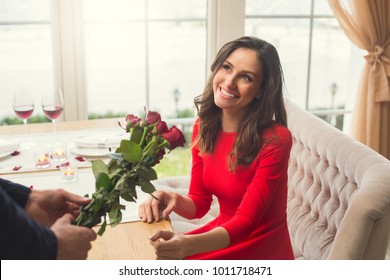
(339, 194)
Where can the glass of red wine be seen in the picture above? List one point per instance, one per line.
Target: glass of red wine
(53, 105)
(23, 104)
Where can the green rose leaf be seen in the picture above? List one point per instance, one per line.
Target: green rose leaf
(103, 181)
(146, 186)
(98, 166)
(147, 173)
(128, 191)
(130, 197)
(132, 152)
(136, 134)
(115, 216)
(102, 227)
(113, 166)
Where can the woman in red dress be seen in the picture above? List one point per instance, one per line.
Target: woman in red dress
(240, 152)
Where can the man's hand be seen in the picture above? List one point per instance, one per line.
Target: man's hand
(46, 206)
(73, 242)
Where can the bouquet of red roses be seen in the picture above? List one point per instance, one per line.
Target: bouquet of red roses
(130, 165)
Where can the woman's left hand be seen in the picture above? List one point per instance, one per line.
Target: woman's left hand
(169, 245)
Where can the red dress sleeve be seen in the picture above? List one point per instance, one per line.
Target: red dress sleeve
(197, 191)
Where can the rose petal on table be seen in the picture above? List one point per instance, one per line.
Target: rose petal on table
(79, 158)
(16, 168)
(65, 164)
(15, 153)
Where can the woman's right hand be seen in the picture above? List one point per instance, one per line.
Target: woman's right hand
(159, 201)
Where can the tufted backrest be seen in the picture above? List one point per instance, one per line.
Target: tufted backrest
(339, 193)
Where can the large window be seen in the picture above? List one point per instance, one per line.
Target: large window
(321, 66)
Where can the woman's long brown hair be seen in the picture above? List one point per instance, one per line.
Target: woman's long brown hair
(262, 111)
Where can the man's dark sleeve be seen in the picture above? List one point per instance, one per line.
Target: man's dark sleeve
(20, 236)
(17, 192)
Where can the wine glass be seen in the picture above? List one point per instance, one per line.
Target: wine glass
(53, 105)
(23, 104)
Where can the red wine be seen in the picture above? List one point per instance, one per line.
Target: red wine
(24, 111)
(52, 111)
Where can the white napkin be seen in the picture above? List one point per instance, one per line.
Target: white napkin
(8, 146)
(100, 141)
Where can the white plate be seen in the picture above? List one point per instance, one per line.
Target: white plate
(88, 152)
(5, 154)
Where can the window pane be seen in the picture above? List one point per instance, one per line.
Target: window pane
(291, 39)
(321, 7)
(335, 62)
(24, 10)
(25, 52)
(177, 61)
(103, 10)
(164, 9)
(277, 7)
(115, 67)
(136, 62)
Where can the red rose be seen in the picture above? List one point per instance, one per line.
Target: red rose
(175, 137)
(152, 117)
(132, 120)
(161, 127)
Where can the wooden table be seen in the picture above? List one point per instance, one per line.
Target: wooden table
(126, 241)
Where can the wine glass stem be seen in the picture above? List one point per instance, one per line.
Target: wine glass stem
(54, 125)
(24, 121)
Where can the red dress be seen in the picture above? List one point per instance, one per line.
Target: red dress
(252, 201)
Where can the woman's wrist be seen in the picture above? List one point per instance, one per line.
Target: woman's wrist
(184, 206)
(190, 245)
(215, 239)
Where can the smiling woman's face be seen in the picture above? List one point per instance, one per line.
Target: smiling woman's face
(237, 81)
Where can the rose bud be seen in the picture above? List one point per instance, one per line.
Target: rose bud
(161, 127)
(152, 117)
(132, 120)
(175, 137)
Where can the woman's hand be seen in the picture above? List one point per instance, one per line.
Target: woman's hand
(159, 201)
(169, 245)
(46, 206)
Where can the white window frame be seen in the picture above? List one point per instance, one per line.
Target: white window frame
(68, 57)
(225, 22)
